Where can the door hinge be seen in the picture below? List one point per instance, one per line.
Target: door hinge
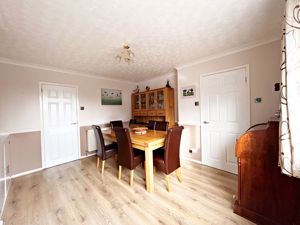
(246, 79)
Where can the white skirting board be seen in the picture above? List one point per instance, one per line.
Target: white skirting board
(26, 173)
(39, 169)
(192, 160)
(85, 156)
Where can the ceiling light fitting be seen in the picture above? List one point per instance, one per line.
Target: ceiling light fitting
(126, 55)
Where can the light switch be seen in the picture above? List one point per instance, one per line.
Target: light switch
(258, 100)
(277, 87)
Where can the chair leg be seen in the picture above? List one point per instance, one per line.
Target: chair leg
(120, 172)
(168, 183)
(103, 165)
(145, 172)
(179, 175)
(131, 178)
(98, 162)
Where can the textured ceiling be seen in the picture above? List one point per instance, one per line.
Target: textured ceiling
(86, 35)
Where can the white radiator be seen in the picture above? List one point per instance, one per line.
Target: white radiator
(91, 140)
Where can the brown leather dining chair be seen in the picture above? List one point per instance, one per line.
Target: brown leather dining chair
(167, 160)
(151, 125)
(103, 151)
(161, 125)
(116, 123)
(132, 121)
(127, 156)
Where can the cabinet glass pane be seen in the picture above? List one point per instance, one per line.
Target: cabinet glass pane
(152, 100)
(143, 101)
(136, 102)
(160, 100)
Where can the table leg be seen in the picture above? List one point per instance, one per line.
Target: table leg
(149, 170)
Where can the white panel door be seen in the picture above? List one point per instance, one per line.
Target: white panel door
(225, 114)
(60, 124)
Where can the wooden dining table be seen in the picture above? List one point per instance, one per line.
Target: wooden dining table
(148, 142)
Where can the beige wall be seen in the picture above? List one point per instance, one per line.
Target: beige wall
(5, 172)
(159, 82)
(25, 152)
(190, 140)
(20, 106)
(264, 63)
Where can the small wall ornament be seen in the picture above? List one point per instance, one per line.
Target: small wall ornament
(137, 90)
(188, 92)
(168, 84)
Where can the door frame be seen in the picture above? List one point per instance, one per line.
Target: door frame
(247, 71)
(42, 118)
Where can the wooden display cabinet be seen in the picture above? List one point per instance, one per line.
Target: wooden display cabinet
(157, 104)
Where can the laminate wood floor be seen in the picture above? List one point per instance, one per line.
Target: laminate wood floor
(76, 193)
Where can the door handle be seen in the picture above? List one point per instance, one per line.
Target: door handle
(205, 122)
(74, 123)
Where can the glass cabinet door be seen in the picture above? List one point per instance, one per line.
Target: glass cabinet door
(160, 99)
(136, 102)
(143, 101)
(152, 100)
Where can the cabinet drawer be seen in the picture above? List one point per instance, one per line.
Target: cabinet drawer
(152, 113)
(161, 113)
(136, 113)
(143, 113)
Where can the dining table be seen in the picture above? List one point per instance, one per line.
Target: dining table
(148, 142)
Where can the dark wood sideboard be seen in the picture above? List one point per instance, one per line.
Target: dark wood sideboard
(265, 196)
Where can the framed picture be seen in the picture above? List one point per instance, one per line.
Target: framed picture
(111, 97)
(188, 92)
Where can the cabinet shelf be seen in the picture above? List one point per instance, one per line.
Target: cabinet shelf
(157, 104)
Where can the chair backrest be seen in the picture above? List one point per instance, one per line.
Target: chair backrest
(125, 151)
(172, 148)
(132, 121)
(116, 123)
(99, 140)
(151, 125)
(161, 125)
